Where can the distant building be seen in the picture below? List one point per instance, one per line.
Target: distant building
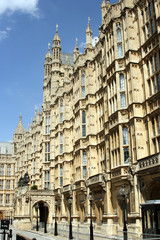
(7, 181)
(99, 129)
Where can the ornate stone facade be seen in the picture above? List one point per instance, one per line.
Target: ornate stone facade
(99, 127)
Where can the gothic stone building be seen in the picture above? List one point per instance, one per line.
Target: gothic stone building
(99, 128)
(7, 180)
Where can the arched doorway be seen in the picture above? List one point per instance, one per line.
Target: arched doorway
(151, 211)
(43, 212)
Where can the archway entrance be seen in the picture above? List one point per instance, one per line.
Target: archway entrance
(43, 212)
(42, 215)
(151, 212)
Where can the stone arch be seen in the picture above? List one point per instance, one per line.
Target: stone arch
(151, 191)
(43, 211)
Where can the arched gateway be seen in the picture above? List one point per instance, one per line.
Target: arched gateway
(42, 212)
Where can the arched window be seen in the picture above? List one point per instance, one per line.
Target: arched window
(61, 111)
(83, 123)
(125, 136)
(122, 82)
(119, 40)
(83, 84)
(125, 143)
(61, 143)
(84, 163)
(119, 35)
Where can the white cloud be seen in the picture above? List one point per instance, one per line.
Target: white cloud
(94, 41)
(24, 6)
(82, 45)
(4, 33)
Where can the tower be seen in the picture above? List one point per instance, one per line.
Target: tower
(104, 8)
(47, 74)
(88, 35)
(76, 51)
(56, 62)
(18, 134)
(56, 50)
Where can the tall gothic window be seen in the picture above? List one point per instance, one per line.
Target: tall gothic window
(8, 184)
(2, 169)
(83, 84)
(47, 179)
(122, 82)
(27, 153)
(47, 152)
(119, 40)
(125, 136)
(8, 170)
(125, 145)
(83, 123)
(34, 166)
(61, 111)
(61, 143)
(47, 127)
(1, 184)
(61, 176)
(84, 164)
(7, 198)
(34, 147)
(123, 100)
(1, 198)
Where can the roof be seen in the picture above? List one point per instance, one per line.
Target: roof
(19, 129)
(67, 58)
(5, 148)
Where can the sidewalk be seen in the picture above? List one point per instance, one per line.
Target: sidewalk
(49, 234)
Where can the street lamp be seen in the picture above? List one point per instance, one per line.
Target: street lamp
(70, 223)
(55, 225)
(91, 225)
(123, 192)
(45, 217)
(36, 207)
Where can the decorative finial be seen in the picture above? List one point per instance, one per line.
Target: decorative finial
(76, 41)
(20, 117)
(89, 20)
(49, 46)
(57, 28)
(66, 59)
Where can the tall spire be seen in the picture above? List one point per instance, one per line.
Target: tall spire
(56, 47)
(104, 8)
(88, 35)
(19, 129)
(76, 50)
(47, 63)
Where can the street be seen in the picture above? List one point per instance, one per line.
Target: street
(30, 235)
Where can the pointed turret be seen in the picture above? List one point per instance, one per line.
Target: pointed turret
(56, 48)
(47, 64)
(88, 35)
(104, 8)
(18, 134)
(76, 51)
(19, 129)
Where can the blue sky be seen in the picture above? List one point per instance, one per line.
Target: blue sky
(26, 28)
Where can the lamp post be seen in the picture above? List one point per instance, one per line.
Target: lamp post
(91, 225)
(55, 224)
(123, 192)
(70, 222)
(37, 206)
(45, 217)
